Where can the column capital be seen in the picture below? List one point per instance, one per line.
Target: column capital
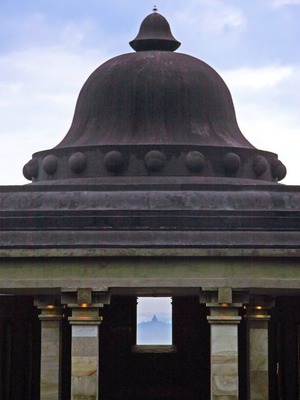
(85, 304)
(259, 308)
(261, 302)
(50, 308)
(223, 319)
(51, 314)
(223, 314)
(85, 298)
(223, 297)
(224, 305)
(257, 315)
(85, 316)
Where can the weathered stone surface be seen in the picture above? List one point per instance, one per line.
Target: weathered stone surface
(84, 353)
(32, 274)
(258, 354)
(50, 358)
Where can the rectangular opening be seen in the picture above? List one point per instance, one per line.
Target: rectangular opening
(154, 321)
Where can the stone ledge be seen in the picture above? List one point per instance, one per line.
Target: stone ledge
(147, 252)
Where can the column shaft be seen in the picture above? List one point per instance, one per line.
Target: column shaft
(85, 353)
(224, 353)
(51, 353)
(258, 357)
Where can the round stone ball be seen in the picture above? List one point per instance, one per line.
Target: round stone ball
(278, 170)
(195, 161)
(49, 164)
(114, 161)
(31, 169)
(231, 163)
(260, 165)
(154, 160)
(77, 162)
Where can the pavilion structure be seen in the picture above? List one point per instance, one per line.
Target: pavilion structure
(153, 192)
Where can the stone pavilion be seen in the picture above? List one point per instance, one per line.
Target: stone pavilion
(153, 192)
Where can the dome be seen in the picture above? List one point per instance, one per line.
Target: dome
(157, 113)
(154, 97)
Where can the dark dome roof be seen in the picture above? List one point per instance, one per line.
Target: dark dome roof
(154, 97)
(154, 112)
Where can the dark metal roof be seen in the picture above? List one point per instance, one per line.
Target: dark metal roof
(154, 97)
(154, 113)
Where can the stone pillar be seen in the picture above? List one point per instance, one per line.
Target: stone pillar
(258, 353)
(85, 353)
(224, 320)
(51, 319)
(85, 321)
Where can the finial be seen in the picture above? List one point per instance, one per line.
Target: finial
(155, 34)
(154, 9)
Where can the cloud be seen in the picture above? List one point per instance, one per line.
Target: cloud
(40, 80)
(39, 88)
(257, 78)
(210, 16)
(267, 101)
(280, 3)
(225, 19)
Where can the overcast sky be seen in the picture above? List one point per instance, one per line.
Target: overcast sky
(158, 306)
(48, 48)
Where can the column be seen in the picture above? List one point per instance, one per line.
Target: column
(51, 319)
(85, 349)
(224, 320)
(258, 352)
(85, 321)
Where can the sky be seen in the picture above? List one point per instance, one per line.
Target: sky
(48, 48)
(161, 307)
(158, 331)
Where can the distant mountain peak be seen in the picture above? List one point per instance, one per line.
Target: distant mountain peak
(154, 318)
(154, 331)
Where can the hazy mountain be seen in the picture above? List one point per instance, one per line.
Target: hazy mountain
(154, 332)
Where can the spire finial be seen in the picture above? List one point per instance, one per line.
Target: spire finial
(154, 9)
(155, 34)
